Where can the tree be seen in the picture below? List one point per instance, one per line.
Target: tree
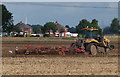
(72, 30)
(94, 24)
(82, 24)
(115, 26)
(37, 29)
(106, 30)
(50, 26)
(7, 19)
(86, 24)
(67, 26)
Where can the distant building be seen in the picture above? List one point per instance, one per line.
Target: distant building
(37, 35)
(74, 34)
(25, 28)
(61, 27)
(61, 32)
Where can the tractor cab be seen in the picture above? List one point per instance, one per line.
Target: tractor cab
(91, 33)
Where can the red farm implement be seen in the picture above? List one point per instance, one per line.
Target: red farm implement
(62, 50)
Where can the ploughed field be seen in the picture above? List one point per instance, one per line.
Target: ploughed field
(54, 64)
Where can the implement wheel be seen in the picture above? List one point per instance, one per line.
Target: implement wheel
(92, 48)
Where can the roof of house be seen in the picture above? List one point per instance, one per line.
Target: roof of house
(60, 26)
(22, 25)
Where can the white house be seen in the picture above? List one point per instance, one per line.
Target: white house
(68, 34)
(74, 34)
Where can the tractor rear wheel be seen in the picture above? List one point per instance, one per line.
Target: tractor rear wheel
(92, 48)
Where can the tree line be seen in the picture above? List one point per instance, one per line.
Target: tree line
(114, 28)
(8, 26)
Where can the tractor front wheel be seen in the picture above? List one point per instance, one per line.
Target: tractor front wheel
(107, 50)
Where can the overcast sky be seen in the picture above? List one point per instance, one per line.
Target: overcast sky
(66, 13)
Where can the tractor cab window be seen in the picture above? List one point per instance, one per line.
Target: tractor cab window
(95, 34)
(90, 34)
(86, 34)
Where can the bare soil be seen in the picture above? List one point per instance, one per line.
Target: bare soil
(60, 65)
(79, 64)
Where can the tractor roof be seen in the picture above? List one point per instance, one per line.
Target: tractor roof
(91, 29)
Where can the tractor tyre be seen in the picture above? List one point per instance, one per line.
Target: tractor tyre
(92, 49)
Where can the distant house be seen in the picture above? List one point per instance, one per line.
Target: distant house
(62, 31)
(74, 34)
(37, 35)
(26, 29)
(65, 32)
(3, 34)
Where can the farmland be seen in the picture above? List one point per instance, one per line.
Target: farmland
(80, 64)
